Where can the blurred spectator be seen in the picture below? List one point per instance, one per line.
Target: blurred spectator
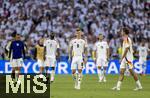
(34, 19)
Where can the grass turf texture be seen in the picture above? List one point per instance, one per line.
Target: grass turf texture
(63, 87)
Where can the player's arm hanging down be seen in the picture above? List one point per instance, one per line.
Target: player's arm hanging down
(85, 59)
(86, 55)
(58, 53)
(69, 52)
(125, 53)
(45, 60)
(94, 55)
(9, 56)
(35, 53)
(108, 54)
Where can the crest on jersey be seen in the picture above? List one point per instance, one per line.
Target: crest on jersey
(17, 44)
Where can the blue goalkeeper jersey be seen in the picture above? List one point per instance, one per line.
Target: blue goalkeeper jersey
(17, 49)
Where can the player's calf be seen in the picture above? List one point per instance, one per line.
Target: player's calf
(52, 74)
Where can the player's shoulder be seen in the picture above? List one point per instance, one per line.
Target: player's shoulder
(97, 42)
(127, 40)
(73, 40)
(105, 42)
(84, 40)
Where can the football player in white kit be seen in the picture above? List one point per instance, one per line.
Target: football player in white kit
(77, 49)
(101, 55)
(51, 51)
(126, 61)
(143, 52)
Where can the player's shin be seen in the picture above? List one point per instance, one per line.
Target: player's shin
(144, 69)
(99, 71)
(119, 84)
(47, 75)
(52, 73)
(13, 74)
(79, 78)
(104, 74)
(74, 75)
(121, 77)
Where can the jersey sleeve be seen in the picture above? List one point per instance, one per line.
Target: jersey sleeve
(44, 43)
(86, 45)
(126, 43)
(71, 43)
(107, 46)
(58, 46)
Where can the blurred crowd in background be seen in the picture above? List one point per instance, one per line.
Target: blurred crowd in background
(35, 19)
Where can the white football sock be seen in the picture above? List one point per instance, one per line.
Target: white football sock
(144, 69)
(52, 75)
(99, 71)
(138, 84)
(74, 76)
(119, 84)
(79, 78)
(16, 75)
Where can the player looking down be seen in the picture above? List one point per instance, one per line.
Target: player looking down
(101, 55)
(127, 61)
(51, 51)
(77, 49)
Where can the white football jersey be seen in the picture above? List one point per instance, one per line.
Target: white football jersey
(143, 51)
(101, 49)
(127, 43)
(51, 48)
(78, 46)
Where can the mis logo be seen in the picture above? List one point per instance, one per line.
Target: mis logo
(15, 87)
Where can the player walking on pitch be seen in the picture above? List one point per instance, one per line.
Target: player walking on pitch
(51, 51)
(143, 52)
(17, 53)
(77, 48)
(126, 60)
(101, 55)
(39, 55)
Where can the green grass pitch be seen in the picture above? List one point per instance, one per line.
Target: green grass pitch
(63, 87)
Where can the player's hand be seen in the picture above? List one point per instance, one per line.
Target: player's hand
(69, 59)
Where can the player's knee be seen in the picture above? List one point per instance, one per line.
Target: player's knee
(131, 72)
(105, 68)
(121, 72)
(79, 70)
(99, 67)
